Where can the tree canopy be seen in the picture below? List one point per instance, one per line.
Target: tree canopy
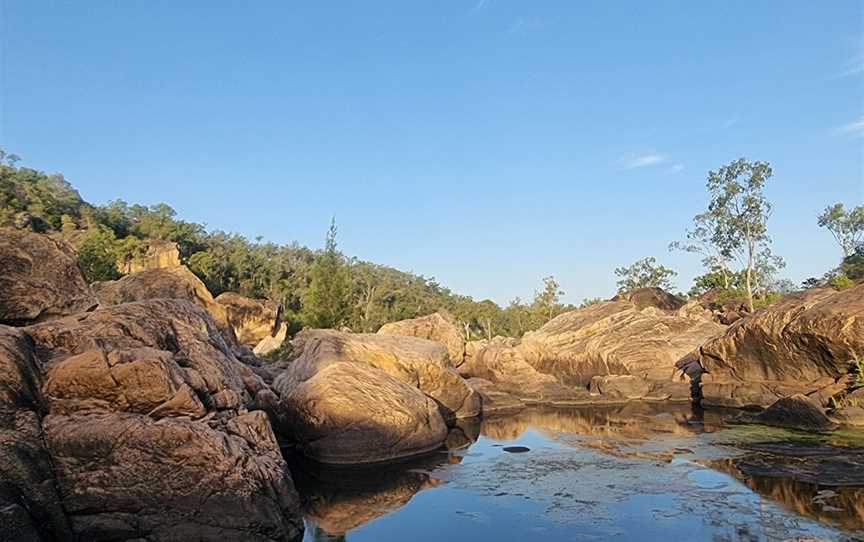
(644, 273)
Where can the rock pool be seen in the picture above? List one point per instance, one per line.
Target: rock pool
(634, 472)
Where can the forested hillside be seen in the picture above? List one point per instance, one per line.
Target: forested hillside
(366, 295)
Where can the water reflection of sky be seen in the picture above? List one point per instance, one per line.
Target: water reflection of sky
(614, 475)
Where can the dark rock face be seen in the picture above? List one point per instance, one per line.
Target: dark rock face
(796, 412)
(802, 343)
(172, 479)
(146, 418)
(39, 279)
(30, 506)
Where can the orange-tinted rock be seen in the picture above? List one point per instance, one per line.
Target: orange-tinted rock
(439, 327)
(253, 320)
(801, 343)
(419, 363)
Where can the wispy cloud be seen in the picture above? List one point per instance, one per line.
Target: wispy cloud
(854, 66)
(676, 168)
(524, 25)
(730, 122)
(480, 5)
(854, 70)
(642, 160)
(854, 128)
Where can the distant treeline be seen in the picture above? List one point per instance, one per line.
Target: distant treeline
(325, 288)
(368, 295)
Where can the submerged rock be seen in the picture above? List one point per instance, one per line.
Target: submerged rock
(338, 499)
(39, 279)
(796, 412)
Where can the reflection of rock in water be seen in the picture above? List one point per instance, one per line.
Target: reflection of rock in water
(463, 434)
(336, 500)
(839, 505)
(634, 420)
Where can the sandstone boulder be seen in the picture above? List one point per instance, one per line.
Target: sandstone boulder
(347, 412)
(39, 279)
(614, 337)
(492, 399)
(158, 255)
(439, 327)
(796, 412)
(500, 362)
(620, 386)
(253, 320)
(268, 344)
(420, 363)
(164, 283)
(801, 343)
(149, 431)
(180, 329)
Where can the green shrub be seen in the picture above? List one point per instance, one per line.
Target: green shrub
(841, 282)
(96, 255)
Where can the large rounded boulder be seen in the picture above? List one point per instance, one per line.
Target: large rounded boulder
(422, 364)
(801, 344)
(39, 279)
(439, 327)
(615, 338)
(350, 413)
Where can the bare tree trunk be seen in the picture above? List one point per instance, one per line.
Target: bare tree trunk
(749, 276)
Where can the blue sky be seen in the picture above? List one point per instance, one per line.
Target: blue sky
(487, 143)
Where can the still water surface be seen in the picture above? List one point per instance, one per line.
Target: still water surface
(637, 472)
